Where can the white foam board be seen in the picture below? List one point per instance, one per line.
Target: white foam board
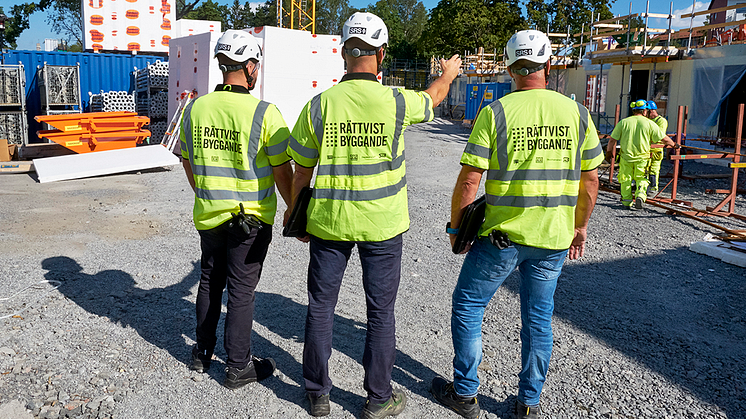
(297, 65)
(720, 250)
(77, 166)
(141, 25)
(188, 27)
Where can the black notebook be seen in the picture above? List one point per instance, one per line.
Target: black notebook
(471, 220)
(296, 226)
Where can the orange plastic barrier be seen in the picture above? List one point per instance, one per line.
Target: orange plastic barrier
(95, 131)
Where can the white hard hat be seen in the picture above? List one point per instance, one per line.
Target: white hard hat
(367, 27)
(531, 45)
(239, 46)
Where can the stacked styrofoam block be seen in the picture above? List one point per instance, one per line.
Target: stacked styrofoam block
(158, 105)
(114, 101)
(284, 49)
(193, 68)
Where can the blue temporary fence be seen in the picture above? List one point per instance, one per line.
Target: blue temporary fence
(98, 72)
(479, 95)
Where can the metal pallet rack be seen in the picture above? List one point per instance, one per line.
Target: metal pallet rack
(59, 90)
(151, 97)
(13, 124)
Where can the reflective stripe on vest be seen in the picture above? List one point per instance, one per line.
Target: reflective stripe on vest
(216, 195)
(231, 172)
(357, 169)
(368, 195)
(504, 175)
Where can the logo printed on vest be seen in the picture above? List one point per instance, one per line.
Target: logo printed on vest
(362, 134)
(217, 138)
(548, 137)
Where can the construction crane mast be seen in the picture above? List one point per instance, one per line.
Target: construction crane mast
(301, 15)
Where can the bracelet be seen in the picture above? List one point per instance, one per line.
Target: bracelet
(450, 230)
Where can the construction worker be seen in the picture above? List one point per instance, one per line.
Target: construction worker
(353, 132)
(656, 154)
(635, 134)
(234, 151)
(541, 152)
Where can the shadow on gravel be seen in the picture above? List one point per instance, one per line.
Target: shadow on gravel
(446, 130)
(286, 318)
(680, 314)
(159, 315)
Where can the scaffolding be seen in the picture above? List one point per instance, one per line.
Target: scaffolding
(301, 15)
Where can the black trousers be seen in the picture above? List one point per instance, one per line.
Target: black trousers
(230, 259)
(381, 263)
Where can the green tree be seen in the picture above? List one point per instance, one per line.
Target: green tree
(406, 21)
(209, 10)
(184, 7)
(18, 21)
(331, 16)
(266, 14)
(239, 15)
(65, 18)
(456, 26)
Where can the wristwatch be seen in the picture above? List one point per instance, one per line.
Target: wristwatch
(450, 230)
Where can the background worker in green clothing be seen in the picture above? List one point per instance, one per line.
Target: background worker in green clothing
(656, 154)
(353, 132)
(635, 133)
(234, 150)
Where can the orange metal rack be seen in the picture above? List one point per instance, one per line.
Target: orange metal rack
(96, 131)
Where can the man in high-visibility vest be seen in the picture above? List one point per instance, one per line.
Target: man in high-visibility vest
(656, 154)
(541, 152)
(635, 134)
(353, 132)
(234, 151)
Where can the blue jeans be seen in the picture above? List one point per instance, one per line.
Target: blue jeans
(484, 270)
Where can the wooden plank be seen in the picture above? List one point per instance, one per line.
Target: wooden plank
(609, 25)
(14, 167)
(719, 9)
(656, 15)
(616, 19)
(737, 165)
(716, 25)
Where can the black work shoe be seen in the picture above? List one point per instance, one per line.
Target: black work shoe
(257, 370)
(638, 203)
(522, 411)
(393, 406)
(319, 404)
(444, 392)
(200, 360)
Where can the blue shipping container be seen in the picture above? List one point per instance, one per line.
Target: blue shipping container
(107, 72)
(479, 95)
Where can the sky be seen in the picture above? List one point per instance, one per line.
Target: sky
(40, 29)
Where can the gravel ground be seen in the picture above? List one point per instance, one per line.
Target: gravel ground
(644, 328)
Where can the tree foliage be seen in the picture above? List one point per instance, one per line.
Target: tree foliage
(405, 20)
(456, 26)
(65, 18)
(18, 21)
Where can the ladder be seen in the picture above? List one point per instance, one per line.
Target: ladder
(171, 137)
